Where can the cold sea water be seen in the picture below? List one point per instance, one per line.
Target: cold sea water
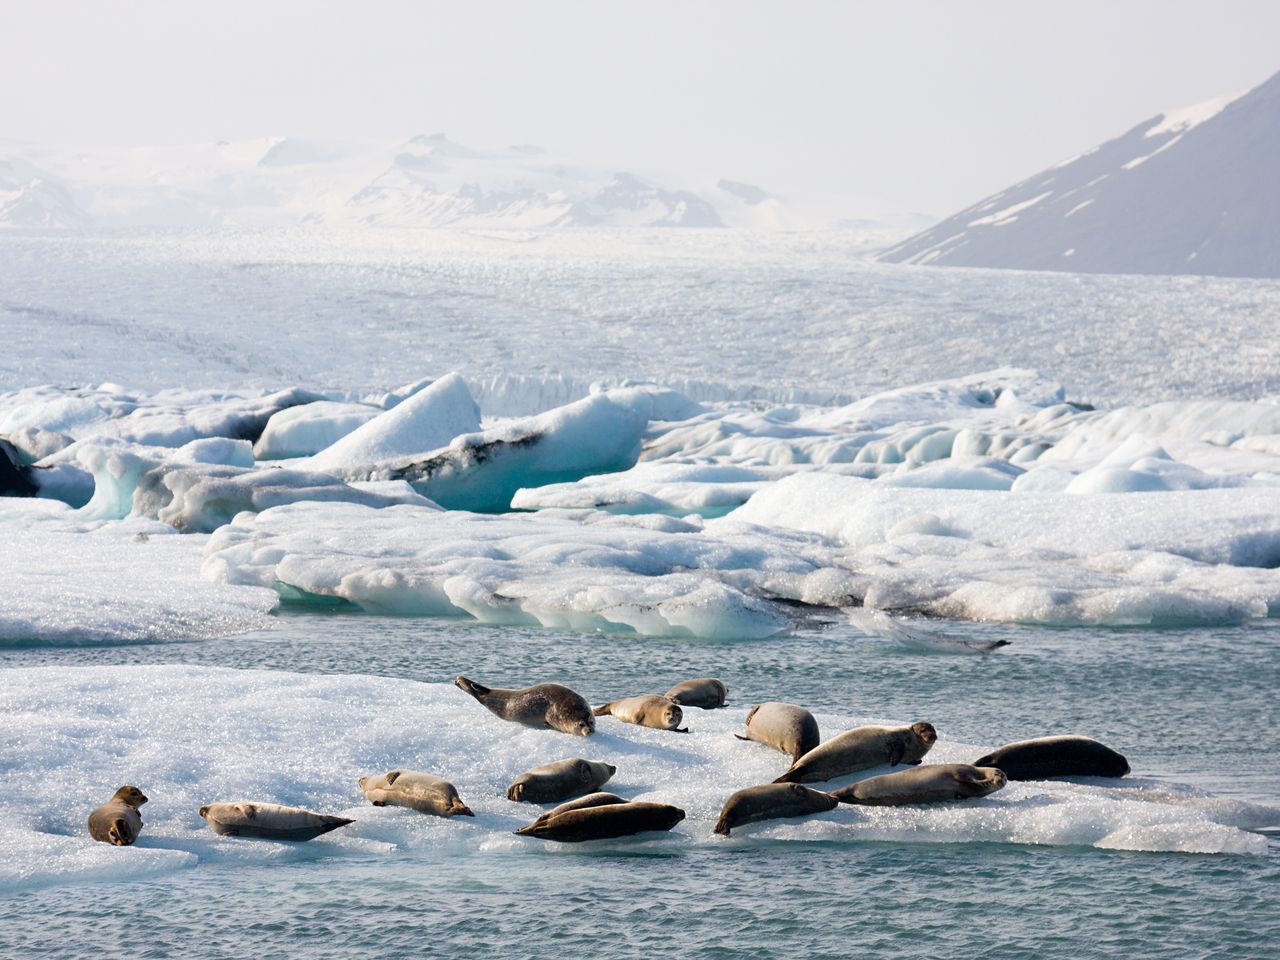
(1194, 707)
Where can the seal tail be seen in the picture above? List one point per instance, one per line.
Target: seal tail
(788, 777)
(477, 690)
(460, 809)
(119, 834)
(602, 711)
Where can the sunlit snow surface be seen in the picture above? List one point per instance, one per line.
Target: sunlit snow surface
(65, 580)
(191, 735)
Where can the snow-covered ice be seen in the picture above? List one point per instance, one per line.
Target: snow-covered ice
(194, 735)
(67, 580)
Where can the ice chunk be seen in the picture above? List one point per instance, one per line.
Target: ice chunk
(200, 486)
(677, 489)
(1203, 556)
(482, 471)
(168, 418)
(424, 421)
(582, 570)
(191, 735)
(309, 428)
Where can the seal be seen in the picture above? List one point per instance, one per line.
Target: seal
(771, 801)
(604, 822)
(1049, 757)
(935, 783)
(118, 821)
(661, 713)
(269, 821)
(783, 726)
(543, 705)
(417, 791)
(553, 782)
(705, 692)
(582, 803)
(861, 748)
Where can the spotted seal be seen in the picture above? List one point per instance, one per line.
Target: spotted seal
(934, 783)
(783, 726)
(1048, 757)
(604, 821)
(661, 713)
(771, 801)
(708, 693)
(417, 791)
(542, 705)
(860, 749)
(553, 782)
(268, 821)
(118, 821)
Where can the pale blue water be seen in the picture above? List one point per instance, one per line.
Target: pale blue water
(1195, 706)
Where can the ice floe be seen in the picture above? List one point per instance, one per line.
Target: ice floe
(193, 735)
(68, 580)
(987, 496)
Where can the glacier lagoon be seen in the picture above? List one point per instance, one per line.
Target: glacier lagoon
(1135, 580)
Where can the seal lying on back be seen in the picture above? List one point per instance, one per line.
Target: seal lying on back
(560, 780)
(543, 705)
(118, 821)
(861, 748)
(783, 726)
(417, 791)
(935, 783)
(604, 821)
(661, 713)
(771, 801)
(705, 692)
(1049, 757)
(582, 803)
(270, 821)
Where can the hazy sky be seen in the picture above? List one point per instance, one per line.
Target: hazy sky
(879, 106)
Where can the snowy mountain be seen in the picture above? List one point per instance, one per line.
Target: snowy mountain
(1190, 191)
(427, 181)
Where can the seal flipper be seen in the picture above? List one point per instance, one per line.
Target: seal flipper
(741, 737)
(119, 833)
(603, 711)
(896, 750)
(722, 827)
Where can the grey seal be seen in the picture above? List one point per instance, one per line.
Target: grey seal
(860, 749)
(783, 726)
(935, 783)
(269, 821)
(1048, 757)
(118, 821)
(605, 822)
(542, 705)
(661, 713)
(582, 803)
(417, 791)
(553, 782)
(705, 692)
(771, 801)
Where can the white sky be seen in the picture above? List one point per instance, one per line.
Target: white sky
(874, 107)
